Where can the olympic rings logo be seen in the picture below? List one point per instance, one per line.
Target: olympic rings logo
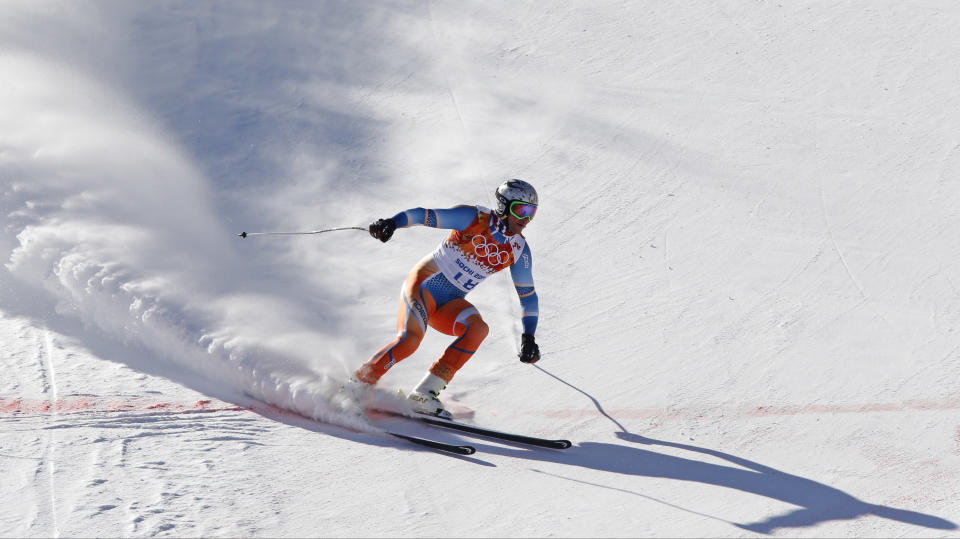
(492, 252)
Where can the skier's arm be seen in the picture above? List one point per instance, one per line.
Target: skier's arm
(458, 217)
(522, 273)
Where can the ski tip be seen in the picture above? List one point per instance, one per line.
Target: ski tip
(564, 444)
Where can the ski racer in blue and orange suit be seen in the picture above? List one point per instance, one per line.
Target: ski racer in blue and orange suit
(481, 243)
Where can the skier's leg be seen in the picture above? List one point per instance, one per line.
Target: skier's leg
(413, 314)
(457, 317)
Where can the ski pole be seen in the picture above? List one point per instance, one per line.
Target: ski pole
(245, 234)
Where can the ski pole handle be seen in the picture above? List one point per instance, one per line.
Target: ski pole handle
(245, 234)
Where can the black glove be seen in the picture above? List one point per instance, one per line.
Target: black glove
(383, 229)
(529, 351)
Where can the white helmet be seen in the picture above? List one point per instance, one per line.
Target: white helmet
(514, 190)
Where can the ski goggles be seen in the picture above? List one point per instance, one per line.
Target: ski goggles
(522, 210)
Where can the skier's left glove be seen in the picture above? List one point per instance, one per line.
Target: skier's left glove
(383, 229)
(529, 351)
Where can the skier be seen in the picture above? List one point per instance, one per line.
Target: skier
(481, 243)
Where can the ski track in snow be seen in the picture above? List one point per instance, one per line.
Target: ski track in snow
(43, 347)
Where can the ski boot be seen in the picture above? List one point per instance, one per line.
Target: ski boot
(425, 398)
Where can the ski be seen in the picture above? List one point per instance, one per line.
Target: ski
(491, 433)
(424, 442)
(440, 446)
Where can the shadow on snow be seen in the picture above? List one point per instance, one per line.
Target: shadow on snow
(816, 502)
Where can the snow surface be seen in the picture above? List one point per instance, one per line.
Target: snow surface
(746, 258)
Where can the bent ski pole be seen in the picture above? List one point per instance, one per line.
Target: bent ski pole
(245, 234)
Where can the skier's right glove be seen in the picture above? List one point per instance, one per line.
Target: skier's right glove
(529, 351)
(383, 229)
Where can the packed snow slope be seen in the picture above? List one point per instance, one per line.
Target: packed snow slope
(746, 257)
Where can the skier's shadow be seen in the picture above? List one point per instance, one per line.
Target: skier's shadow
(817, 502)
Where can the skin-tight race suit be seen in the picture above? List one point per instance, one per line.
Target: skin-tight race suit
(434, 293)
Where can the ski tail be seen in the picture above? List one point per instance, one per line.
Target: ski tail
(433, 444)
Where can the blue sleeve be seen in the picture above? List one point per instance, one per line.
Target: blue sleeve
(456, 218)
(522, 273)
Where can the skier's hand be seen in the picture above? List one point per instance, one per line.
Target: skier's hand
(383, 229)
(529, 351)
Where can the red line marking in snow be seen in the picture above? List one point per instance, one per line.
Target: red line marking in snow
(14, 406)
(9, 406)
(758, 411)
(107, 405)
(823, 409)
